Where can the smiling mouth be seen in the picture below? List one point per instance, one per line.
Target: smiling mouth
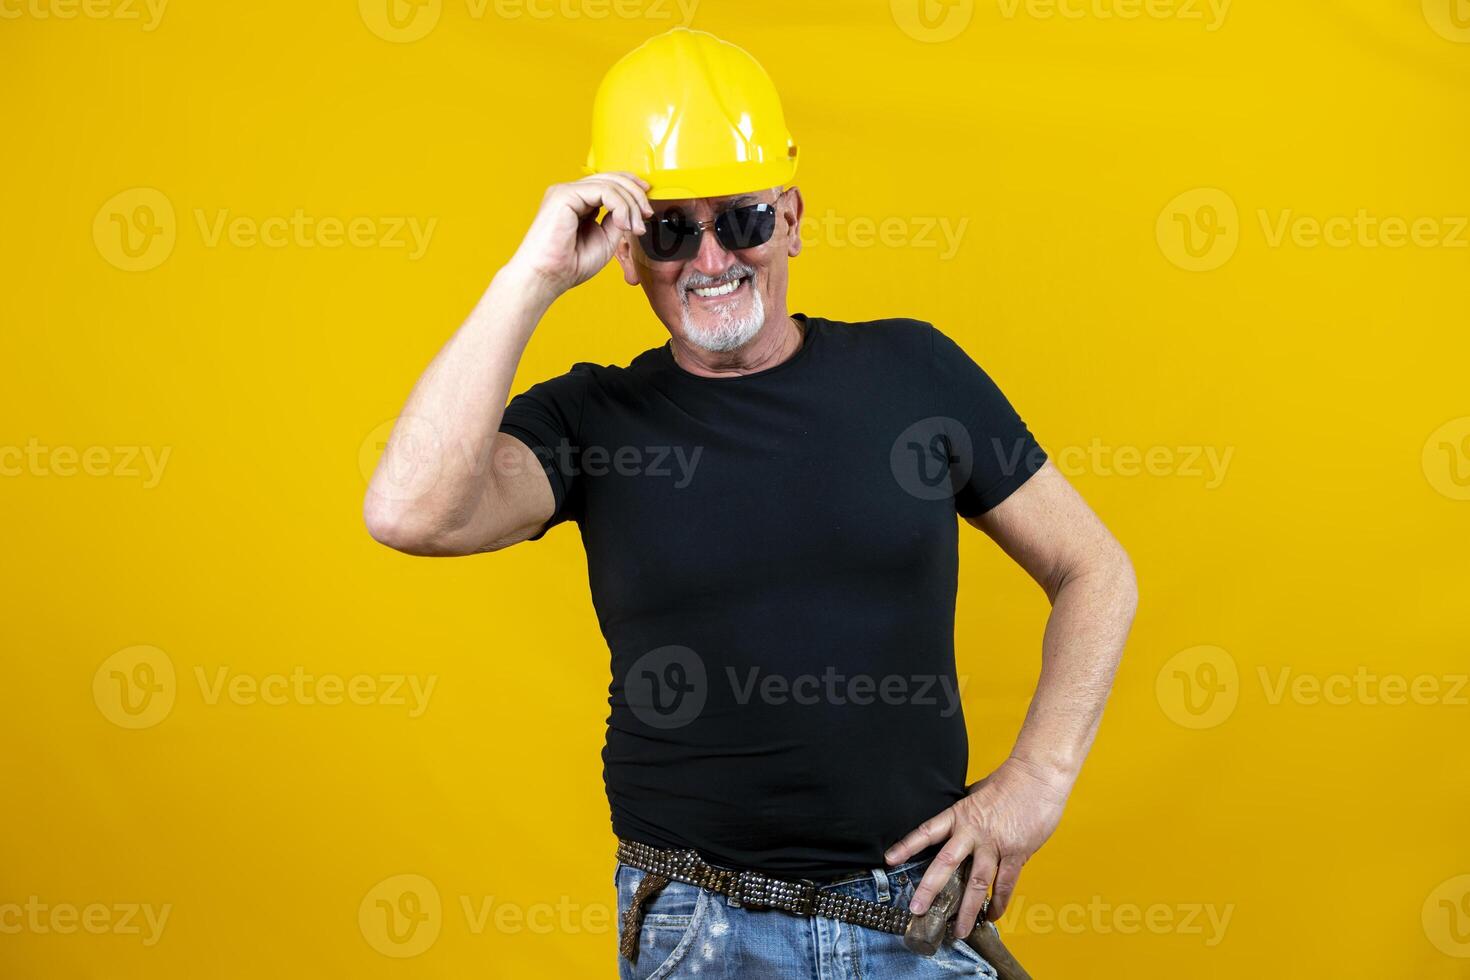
(719, 290)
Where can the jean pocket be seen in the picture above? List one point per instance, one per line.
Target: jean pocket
(672, 918)
(954, 956)
(963, 953)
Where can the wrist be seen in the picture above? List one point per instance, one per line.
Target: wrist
(1058, 774)
(525, 287)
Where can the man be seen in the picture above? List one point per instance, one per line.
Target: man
(768, 504)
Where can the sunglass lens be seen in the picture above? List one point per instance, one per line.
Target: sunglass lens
(746, 227)
(669, 238)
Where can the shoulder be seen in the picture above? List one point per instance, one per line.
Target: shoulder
(586, 375)
(888, 328)
(889, 336)
(589, 388)
(899, 340)
(912, 343)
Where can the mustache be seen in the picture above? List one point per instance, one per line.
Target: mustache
(698, 280)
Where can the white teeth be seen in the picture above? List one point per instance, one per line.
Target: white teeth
(724, 290)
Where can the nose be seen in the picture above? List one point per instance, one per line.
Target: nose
(712, 258)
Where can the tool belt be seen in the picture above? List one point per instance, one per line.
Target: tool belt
(800, 896)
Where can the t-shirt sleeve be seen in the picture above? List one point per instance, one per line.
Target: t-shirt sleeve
(547, 417)
(993, 453)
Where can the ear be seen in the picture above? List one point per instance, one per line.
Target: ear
(792, 208)
(629, 257)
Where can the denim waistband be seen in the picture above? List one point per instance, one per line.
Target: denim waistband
(870, 875)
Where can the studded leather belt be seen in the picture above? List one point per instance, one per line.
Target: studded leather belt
(921, 933)
(751, 889)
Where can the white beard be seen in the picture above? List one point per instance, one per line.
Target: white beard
(730, 331)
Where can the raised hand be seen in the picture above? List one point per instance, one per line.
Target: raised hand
(566, 245)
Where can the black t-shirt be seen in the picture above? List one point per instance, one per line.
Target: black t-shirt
(773, 561)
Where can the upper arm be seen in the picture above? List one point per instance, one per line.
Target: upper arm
(1004, 483)
(537, 479)
(992, 452)
(529, 484)
(523, 498)
(509, 504)
(1048, 529)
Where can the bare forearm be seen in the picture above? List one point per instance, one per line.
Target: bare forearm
(1092, 611)
(448, 483)
(435, 470)
(1006, 816)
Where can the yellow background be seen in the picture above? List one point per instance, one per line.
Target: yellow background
(1332, 834)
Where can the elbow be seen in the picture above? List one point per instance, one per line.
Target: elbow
(411, 530)
(1105, 572)
(1125, 582)
(390, 525)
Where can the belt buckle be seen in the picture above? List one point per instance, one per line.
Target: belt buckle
(760, 891)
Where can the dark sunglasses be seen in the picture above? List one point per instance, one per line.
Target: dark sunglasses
(675, 236)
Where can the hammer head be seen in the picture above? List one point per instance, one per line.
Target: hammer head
(925, 932)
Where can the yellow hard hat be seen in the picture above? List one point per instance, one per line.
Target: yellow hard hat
(694, 116)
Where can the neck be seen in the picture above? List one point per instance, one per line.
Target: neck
(778, 340)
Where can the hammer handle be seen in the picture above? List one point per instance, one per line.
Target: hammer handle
(985, 940)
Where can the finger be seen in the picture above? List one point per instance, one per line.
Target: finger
(586, 196)
(949, 857)
(977, 887)
(595, 192)
(624, 174)
(931, 831)
(611, 226)
(628, 190)
(631, 213)
(637, 187)
(1005, 886)
(626, 206)
(617, 219)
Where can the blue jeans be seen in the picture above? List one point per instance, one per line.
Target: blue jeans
(691, 932)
